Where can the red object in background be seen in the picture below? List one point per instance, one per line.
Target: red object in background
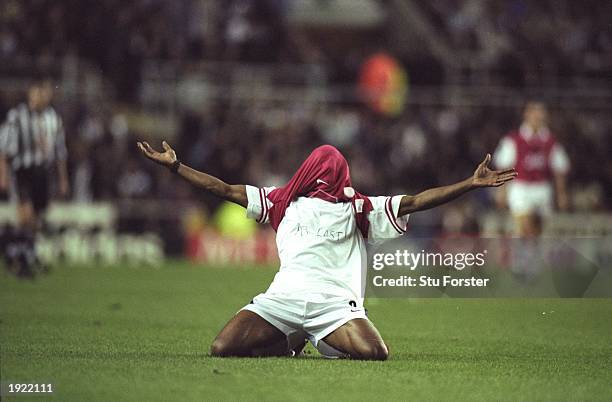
(208, 246)
(383, 84)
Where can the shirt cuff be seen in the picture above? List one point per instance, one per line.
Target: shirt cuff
(392, 207)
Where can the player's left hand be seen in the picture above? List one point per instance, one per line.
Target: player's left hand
(486, 177)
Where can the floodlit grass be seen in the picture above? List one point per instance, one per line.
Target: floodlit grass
(117, 333)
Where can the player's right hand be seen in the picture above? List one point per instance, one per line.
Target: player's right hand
(166, 158)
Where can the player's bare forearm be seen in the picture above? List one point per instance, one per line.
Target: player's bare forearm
(433, 197)
(482, 177)
(235, 193)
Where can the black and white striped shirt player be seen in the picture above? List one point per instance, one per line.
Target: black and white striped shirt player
(32, 143)
(33, 138)
(32, 151)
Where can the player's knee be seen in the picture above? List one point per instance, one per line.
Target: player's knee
(221, 348)
(373, 351)
(381, 352)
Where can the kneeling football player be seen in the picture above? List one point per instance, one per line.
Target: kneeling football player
(322, 226)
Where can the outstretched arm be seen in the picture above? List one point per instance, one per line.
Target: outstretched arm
(482, 177)
(235, 193)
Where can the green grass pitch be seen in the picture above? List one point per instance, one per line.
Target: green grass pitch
(118, 333)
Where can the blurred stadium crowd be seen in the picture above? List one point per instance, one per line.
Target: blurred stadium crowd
(262, 141)
(521, 36)
(518, 35)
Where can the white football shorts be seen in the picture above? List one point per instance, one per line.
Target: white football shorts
(313, 316)
(528, 198)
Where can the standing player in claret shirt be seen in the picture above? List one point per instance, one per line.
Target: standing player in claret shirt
(322, 224)
(542, 166)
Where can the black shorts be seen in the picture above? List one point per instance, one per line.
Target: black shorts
(32, 185)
